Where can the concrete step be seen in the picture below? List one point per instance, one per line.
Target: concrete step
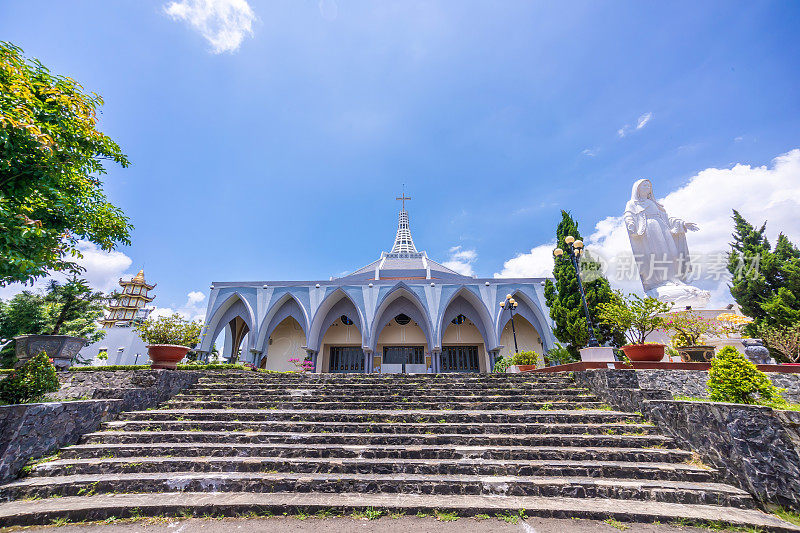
(576, 416)
(235, 438)
(388, 452)
(440, 426)
(104, 506)
(178, 403)
(574, 487)
(470, 467)
(506, 388)
(423, 395)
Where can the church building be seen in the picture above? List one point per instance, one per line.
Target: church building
(402, 313)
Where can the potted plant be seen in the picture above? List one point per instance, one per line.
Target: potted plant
(783, 339)
(687, 328)
(525, 361)
(638, 317)
(168, 339)
(59, 321)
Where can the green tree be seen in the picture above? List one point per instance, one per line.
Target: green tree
(765, 282)
(51, 155)
(564, 299)
(70, 308)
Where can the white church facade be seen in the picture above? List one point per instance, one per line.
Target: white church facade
(403, 313)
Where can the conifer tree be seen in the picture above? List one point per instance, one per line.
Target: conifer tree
(564, 299)
(765, 282)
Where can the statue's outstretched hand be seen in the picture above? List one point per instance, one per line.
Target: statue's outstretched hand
(691, 226)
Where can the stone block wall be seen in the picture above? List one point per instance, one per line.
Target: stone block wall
(751, 446)
(756, 448)
(138, 389)
(30, 431)
(693, 382)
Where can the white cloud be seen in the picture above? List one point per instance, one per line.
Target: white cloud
(538, 263)
(103, 270)
(590, 152)
(196, 297)
(191, 310)
(223, 23)
(641, 122)
(765, 193)
(461, 260)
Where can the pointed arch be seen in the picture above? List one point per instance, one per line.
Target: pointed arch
(334, 305)
(401, 299)
(286, 306)
(531, 311)
(466, 302)
(234, 305)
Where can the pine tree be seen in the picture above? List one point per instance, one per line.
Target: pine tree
(564, 299)
(765, 282)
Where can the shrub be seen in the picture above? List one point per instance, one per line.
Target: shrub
(502, 364)
(170, 330)
(526, 358)
(733, 378)
(559, 356)
(30, 382)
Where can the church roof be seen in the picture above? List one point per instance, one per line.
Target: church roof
(404, 261)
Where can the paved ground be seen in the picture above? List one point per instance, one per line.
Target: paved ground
(410, 524)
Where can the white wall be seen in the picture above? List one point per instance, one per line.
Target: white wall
(527, 338)
(287, 341)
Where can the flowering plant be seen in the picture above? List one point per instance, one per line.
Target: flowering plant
(303, 365)
(688, 327)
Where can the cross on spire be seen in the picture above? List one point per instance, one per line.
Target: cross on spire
(403, 199)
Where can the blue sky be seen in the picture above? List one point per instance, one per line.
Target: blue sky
(280, 158)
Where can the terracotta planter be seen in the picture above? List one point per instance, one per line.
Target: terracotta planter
(526, 368)
(696, 354)
(644, 352)
(166, 355)
(62, 349)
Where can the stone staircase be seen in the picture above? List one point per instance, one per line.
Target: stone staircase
(238, 442)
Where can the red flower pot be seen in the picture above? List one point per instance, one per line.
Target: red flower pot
(526, 368)
(644, 352)
(166, 355)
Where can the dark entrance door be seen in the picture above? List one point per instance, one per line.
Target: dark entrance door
(347, 359)
(404, 355)
(460, 359)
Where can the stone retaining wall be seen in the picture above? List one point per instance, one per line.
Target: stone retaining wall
(693, 382)
(138, 389)
(756, 448)
(751, 446)
(31, 431)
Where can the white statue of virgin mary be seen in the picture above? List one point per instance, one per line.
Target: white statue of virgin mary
(659, 247)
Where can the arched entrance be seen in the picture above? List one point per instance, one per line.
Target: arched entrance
(463, 349)
(403, 347)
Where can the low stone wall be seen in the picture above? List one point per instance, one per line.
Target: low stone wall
(756, 448)
(31, 431)
(138, 389)
(693, 382)
(751, 446)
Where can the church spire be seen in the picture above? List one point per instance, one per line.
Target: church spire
(403, 243)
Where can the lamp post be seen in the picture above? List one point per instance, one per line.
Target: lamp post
(574, 251)
(512, 304)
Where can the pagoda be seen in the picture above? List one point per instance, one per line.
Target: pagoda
(128, 305)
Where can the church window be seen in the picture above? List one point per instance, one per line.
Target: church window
(346, 321)
(402, 319)
(460, 319)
